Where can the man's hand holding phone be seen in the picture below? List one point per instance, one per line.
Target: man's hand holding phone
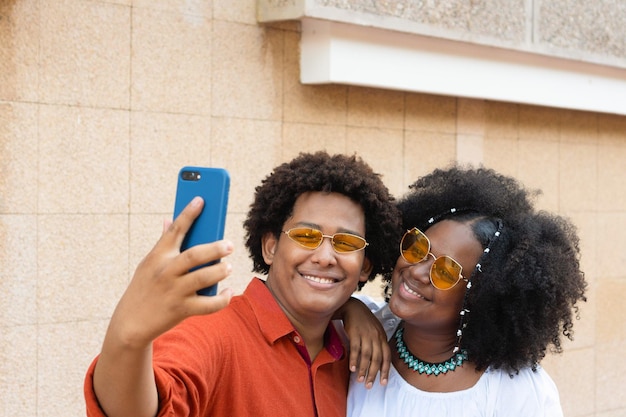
(161, 294)
(163, 289)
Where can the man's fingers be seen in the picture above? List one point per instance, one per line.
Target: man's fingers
(207, 305)
(206, 276)
(200, 255)
(176, 231)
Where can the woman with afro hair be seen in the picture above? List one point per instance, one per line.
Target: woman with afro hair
(483, 285)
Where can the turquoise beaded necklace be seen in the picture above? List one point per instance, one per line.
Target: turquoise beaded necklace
(427, 368)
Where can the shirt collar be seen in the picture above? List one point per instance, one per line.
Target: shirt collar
(273, 322)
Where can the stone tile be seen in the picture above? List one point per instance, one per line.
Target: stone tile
(189, 7)
(18, 269)
(249, 149)
(497, 19)
(306, 137)
(161, 145)
(578, 127)
(502, 154)
(19, 50)
(183, 38)
(436, 150)
(471, 116)
(83, 160)
(610, 244)
(469, 149)
(18, 370)
(611, 192)
(85, 53)
(578, 176)
(235, 11)
(574, 382)
(144, 232)
(593, 28)
(610, 372)
(539, 170)
(589, 231)
(431, 113)
(611, 128)
(82, 267)
(247, 71)
(18, 158)
(382, 150)
(64, 353)
(539, 123)
(501, 120)
(369, 107)
(610, 328)
(321, 104)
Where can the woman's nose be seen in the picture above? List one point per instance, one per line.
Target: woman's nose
(421, 270)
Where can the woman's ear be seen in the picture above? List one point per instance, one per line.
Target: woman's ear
(269, 241)
(366, 270)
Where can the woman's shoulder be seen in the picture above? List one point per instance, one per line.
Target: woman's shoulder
(528, 391)
(382, 312)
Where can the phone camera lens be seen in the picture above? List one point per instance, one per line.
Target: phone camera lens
(191, 175)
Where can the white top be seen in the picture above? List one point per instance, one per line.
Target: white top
(495, 394)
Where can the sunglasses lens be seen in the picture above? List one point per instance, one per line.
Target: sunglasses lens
(445, 272)
(414, 246)
(345, 242)
(312, 238)
(309, 238)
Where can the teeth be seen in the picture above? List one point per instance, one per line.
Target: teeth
(318, 279)
(410, 291)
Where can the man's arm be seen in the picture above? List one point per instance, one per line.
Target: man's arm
(161, 294)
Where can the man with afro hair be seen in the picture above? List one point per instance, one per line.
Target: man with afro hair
(320, 227)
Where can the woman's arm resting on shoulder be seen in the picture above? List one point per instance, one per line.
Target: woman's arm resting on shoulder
(369, 350)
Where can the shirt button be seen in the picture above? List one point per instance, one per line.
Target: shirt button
(296, 339)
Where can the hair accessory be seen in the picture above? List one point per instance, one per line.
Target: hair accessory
(439, 216)
(477, 269)
(423, 367)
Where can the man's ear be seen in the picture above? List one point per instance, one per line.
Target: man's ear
(366, 270)
(268, 247)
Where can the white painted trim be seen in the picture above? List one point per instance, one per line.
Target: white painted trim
(341, 53)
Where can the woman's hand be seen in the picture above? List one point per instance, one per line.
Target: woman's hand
(369, 350)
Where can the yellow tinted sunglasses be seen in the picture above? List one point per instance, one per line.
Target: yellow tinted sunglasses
(312, 238)
(445, 272)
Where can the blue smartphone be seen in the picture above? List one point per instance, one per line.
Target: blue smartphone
(212, 184)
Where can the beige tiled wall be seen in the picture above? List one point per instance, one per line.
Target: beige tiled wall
(101, 102)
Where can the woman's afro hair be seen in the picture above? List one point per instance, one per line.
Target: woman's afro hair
(320, 172)
(525, 296)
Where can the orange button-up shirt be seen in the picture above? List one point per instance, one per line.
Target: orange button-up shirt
(246, 359)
